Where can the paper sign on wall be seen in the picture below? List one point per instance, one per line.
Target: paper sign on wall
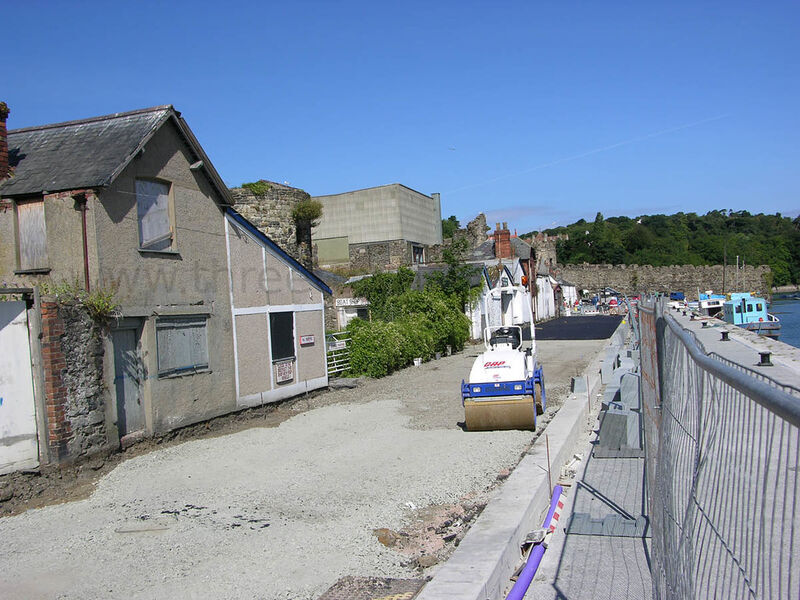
(285, 371)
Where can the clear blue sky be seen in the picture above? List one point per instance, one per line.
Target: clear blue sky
(534, 113)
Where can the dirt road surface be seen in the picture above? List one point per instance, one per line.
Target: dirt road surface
(379, 480)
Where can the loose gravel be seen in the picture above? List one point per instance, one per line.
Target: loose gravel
(276, 512)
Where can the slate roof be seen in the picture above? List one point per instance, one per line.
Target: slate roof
(88, 153)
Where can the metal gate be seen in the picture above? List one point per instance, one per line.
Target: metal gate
(19, 444)
(338, 349)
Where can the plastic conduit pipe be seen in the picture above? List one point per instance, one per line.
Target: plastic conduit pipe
(535, 557)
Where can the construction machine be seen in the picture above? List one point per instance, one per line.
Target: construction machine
(501, 390)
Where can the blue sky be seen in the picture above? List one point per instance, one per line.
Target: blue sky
(534, 113)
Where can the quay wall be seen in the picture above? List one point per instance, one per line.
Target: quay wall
(631, 279)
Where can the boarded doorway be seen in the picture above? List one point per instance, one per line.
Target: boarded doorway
(19, 444)
(128, 377)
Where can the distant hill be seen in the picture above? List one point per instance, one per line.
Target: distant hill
(687, 238)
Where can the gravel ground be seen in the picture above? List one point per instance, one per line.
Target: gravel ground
(283, 512)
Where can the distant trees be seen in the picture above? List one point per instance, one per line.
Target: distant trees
(687, 238)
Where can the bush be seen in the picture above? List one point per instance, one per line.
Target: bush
(376, 348)
(259, 188)
(425, 322)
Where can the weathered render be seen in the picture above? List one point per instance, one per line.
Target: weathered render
(267, 284)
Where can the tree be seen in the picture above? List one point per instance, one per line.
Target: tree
(449, 226)
(455, 282)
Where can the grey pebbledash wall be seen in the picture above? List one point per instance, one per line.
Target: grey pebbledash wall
(684, 278)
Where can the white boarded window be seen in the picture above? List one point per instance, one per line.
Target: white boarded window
(32, 235)
(152, 206)
(182, 344)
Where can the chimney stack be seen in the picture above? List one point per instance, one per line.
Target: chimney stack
(4, 168)
(502, 242)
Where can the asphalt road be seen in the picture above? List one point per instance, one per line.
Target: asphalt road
(594, 327)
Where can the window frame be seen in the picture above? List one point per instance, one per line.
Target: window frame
(172, 248)
(274, 316)
(162, 322)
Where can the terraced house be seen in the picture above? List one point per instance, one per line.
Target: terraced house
(212, 315)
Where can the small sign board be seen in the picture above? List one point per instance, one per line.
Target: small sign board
(339, 345)
(339, 302)
(285, 371)
(306, 340)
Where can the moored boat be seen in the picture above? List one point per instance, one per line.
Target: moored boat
(750, 312)
(710, 304)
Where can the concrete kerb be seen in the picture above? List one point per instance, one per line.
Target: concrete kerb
(481, 567)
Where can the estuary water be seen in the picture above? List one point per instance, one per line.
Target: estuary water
(788, 311)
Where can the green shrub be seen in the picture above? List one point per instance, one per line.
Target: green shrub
(307, 212)
(426, 322)
(376, 348)
(101, 303)
(259, 188)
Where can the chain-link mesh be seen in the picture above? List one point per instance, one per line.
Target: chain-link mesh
(722, 459)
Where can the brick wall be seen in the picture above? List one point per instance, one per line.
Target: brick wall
(54, 363)
(502, 242)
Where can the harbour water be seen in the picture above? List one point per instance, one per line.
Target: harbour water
(788, 311)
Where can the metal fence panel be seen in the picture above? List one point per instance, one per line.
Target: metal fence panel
(722, 457)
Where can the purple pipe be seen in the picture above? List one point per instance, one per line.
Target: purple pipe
(535, 557)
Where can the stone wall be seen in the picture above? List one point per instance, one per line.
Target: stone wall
(271, 213)
(474, 233)
(631, 279)
(544, 247)
(72, 359)
(372, 256)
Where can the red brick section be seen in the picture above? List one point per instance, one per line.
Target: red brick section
(59, 430)
(4, 169)
(502, 242)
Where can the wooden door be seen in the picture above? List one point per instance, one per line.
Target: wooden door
(128, 380)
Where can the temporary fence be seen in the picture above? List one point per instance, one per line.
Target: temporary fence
(337, 346)
(722, 456)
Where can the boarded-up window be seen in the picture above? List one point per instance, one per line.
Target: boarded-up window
(152, 206)
(182, 344)
(281, 334)
(32, 235)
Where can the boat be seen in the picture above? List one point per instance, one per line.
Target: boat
(710, 304)
(750, 312)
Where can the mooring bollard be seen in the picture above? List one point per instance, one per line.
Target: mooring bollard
(765, 359)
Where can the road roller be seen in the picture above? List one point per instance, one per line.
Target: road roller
(501, 392)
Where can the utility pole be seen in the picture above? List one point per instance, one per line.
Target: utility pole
(724, 264)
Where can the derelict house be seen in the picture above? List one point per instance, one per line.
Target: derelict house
(131, 203)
